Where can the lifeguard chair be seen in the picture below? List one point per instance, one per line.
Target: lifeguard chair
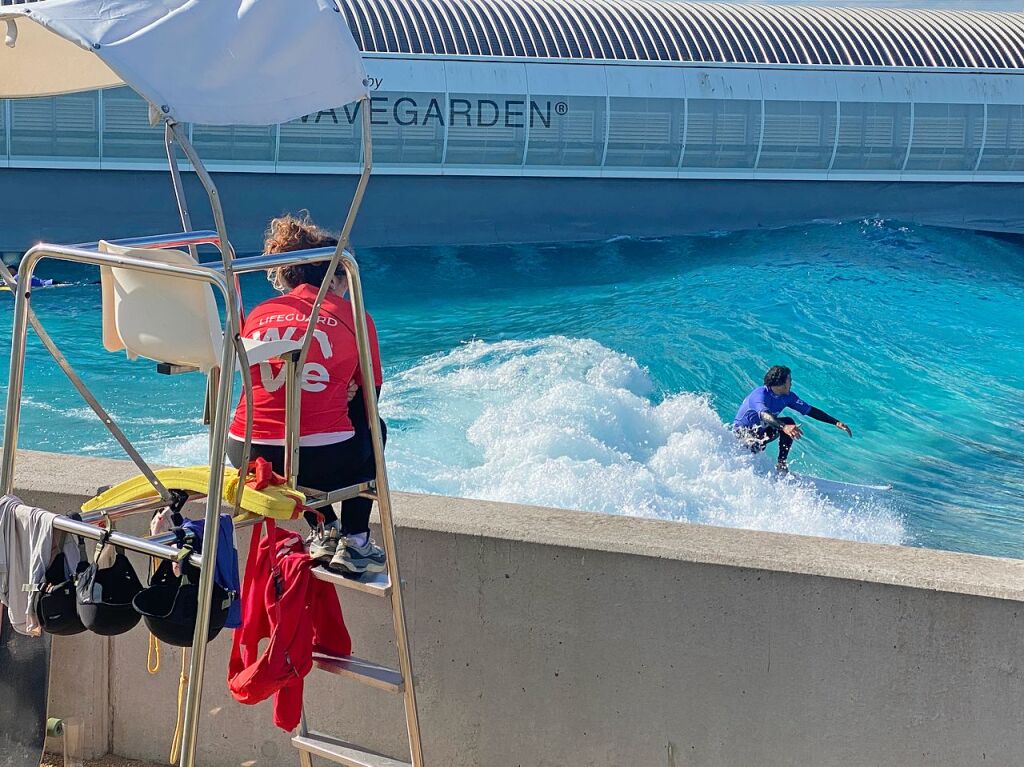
(275, 60)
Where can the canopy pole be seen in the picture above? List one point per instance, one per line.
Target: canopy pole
(15, 381)
(383, 495)
(186, 224)
(218, 446)
(211, 381)
(218, 436)
(179, 188)
(226, 249)
(292, 426)
(364, 177)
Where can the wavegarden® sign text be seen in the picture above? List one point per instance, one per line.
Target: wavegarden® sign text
(458, 112)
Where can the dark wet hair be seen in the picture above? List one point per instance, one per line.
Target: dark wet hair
(777, 375)
(289, 233)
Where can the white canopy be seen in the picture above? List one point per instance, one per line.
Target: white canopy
(215, 62)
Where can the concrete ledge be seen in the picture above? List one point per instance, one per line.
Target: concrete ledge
(684, 542)
(996, 577)
(537, 641)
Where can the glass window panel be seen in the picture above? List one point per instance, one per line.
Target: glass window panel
(56, 126)
(1004, 139)
(722, 133)
(234, 143)
(329, 137)
(127, 133)
(408, 128)
(798, 135)
(872, 136)
(3, 128)
(486, 129)
(645, 133)
(566, 130)
(947, 137)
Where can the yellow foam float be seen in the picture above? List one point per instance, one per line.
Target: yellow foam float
(275, 501)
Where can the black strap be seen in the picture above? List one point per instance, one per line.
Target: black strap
(101, 544)
(178, 500)
(83, 555)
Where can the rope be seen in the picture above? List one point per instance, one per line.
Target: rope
(153, 653)
(179, 724)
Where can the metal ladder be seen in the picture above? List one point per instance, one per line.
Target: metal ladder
(388, 586)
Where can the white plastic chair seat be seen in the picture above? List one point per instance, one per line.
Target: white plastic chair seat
(168, 318)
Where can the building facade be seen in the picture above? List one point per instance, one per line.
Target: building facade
(525, 120)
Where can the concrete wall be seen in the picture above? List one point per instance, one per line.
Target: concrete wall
(545, 637)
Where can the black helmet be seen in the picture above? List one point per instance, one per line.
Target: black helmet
(54, 604)
(105, 594)
(170, 605)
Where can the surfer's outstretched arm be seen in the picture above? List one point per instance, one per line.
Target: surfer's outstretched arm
(821, 415)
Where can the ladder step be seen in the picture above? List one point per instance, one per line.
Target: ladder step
(375, 584)
(364, 671)
(316, 499)
(341, 752)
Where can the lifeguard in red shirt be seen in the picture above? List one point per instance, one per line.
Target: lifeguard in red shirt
(334, 440)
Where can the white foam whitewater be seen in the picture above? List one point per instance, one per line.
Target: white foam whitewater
(570, 423)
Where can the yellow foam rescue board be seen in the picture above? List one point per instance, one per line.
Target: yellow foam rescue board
(276, 501)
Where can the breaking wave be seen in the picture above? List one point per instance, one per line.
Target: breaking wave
(570, 423)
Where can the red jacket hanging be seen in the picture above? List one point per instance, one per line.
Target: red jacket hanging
(282, 600)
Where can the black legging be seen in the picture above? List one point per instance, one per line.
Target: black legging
(329, 467)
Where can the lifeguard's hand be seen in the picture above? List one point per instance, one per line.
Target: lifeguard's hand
(353, 389)
(844, 427)
(792, 431)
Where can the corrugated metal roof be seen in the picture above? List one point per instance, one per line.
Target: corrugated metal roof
(656, 30)
(653, 30)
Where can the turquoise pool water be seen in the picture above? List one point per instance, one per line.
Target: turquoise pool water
(599, 376)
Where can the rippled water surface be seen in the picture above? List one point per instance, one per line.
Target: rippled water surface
(599, 376)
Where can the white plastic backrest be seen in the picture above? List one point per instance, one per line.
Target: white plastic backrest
(162, 317)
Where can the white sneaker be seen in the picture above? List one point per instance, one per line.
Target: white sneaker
(354, 559)
(323, 544)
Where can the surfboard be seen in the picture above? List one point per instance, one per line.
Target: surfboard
(832, 486)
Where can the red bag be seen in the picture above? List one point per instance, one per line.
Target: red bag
(300, 614)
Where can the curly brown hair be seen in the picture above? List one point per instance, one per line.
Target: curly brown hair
(288, 233)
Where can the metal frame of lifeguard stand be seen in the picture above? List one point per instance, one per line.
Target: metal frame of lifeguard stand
(224, 278)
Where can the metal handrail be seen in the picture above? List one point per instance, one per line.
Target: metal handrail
(108, 421)
(248, 264)
(150, 548)
(174, 240)
(20, 326)
(153, 546)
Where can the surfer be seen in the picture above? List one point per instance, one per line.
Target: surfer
(757, 422)
(37, 282)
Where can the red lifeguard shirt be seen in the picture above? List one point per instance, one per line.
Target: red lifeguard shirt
(332, 363)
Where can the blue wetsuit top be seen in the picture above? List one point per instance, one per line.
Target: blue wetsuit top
(763, 399)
